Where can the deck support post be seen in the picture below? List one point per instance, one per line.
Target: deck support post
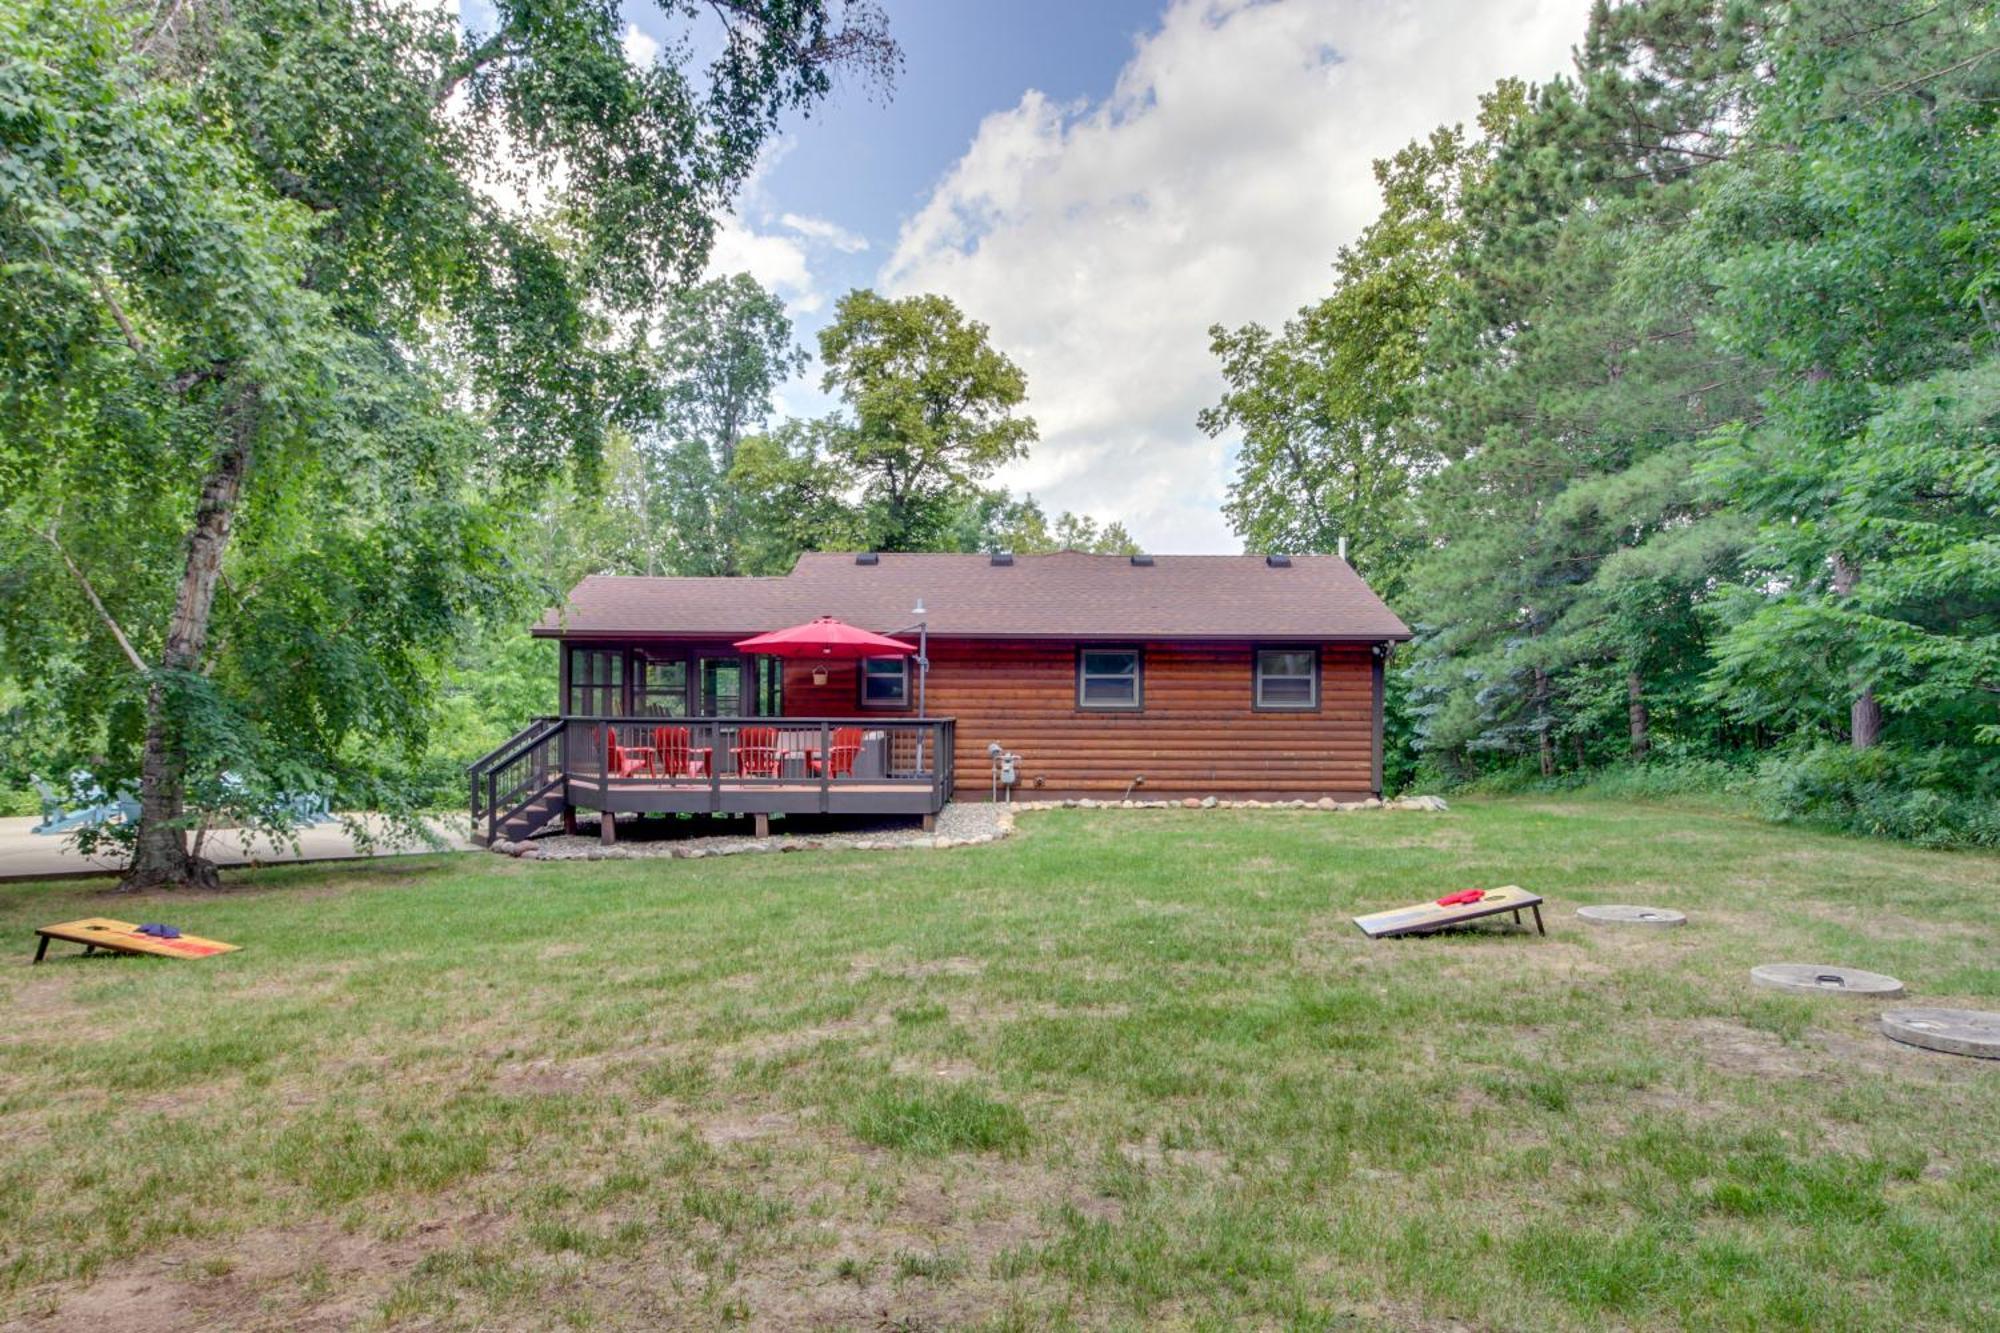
(607, 827)
(569, 820)
(930, 823)
(763, 824)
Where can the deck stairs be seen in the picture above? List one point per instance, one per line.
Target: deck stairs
(518, 789)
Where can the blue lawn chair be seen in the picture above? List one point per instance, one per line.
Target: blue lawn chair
(96, 810)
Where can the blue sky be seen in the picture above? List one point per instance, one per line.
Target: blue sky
(1101, 180)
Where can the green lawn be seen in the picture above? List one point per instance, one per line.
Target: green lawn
(1126, 1068)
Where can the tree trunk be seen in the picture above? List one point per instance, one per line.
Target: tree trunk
(1635, 712)
(1865, 720)
(1548, 744)
(1864, 715)
(161, 858)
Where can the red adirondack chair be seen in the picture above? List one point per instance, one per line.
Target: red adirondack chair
(620, 762)
(679, 758)
(838, 761)
(757, 754)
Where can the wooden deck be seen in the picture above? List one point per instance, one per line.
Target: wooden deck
(913, 796)
(557, 765)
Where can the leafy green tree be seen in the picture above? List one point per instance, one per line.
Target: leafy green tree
(257, 276)
(1854, 257)
(1570, 377)
(931, 407)
(1331, 446)
(724, 346)
(997, 520)
(798, 487)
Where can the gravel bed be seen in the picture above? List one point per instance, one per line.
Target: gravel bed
(960, 823)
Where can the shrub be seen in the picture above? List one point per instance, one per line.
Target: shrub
(1933, 799)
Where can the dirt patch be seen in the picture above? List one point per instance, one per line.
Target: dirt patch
(721, 1131)
(772, 1045)
(1732, 1048)
(310, 1277)
(945, 1071)
(1149, 1154)
(545, 1077)
(863, 968)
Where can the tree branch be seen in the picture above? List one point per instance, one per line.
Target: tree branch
(118, 313)
(110, 622)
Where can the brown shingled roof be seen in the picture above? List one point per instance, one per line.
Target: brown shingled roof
(1068, 596)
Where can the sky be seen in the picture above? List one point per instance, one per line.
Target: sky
(1099, 181)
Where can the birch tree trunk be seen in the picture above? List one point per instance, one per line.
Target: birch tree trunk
(161, 858)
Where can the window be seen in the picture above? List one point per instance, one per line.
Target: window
(661, 687)
(885, 682)
(1287, 678)
(1109, 678)
(596, 682)
(770, 686)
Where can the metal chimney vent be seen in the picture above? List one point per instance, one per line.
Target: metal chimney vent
(868, 558)
(1003, 557)
(1278, 561)
(1143, 561)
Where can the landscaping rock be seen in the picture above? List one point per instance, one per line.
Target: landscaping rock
(1208, 803)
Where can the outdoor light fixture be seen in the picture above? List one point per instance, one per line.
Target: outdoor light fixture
(819, 675)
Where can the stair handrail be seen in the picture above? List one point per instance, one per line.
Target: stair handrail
(521, 739)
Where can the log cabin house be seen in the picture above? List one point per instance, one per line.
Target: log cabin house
(1157, 676)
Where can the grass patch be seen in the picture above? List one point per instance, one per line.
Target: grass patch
(956, 1119)
(1126, 1068)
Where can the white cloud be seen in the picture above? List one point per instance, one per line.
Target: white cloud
(825, 232)
(777, 262)
(1100, 240)
(640, 49)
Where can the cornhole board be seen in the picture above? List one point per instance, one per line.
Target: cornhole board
(1425, 917)
(101, 932)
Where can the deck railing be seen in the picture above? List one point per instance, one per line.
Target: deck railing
(893, 752)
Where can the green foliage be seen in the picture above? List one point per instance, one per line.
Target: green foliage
(1932, 797)
(1689, 375)
(256, 273)
(1329, 449)
(724, 347)
(930, 414)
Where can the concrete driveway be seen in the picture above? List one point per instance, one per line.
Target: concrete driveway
(27, 855)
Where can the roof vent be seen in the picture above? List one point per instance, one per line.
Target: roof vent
(1278, 561)
(868, 558)
(1143, 561)
(1003, 557)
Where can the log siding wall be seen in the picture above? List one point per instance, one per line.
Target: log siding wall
(1199, 732)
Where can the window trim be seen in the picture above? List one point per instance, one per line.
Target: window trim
(1257, 704)
(1138, 651)
(902, 700)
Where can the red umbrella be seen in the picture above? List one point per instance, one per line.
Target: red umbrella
(826, 638)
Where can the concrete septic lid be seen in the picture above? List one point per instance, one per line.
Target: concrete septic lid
(1623, 914)
(1824, 980)
(1958, 1031)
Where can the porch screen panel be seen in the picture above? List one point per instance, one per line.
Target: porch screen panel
(662, 687)
(596, 682)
